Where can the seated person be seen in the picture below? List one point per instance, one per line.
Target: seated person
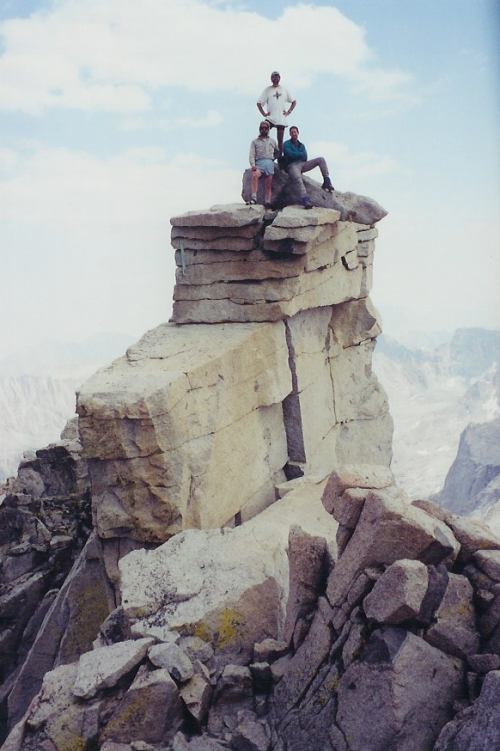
(295, 162)
(263, 152)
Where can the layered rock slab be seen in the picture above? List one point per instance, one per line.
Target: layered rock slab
(160, 422)
(261, 278)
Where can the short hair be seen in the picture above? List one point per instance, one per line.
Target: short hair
(294, 126)
(276, 73)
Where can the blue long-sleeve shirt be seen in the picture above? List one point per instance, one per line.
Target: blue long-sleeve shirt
(294, 152)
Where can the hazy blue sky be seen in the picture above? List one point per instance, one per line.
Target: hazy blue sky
(115, 115)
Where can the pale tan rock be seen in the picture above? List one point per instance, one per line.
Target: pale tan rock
(103, 667)
(230, 215)
(308, 236)
(228, 586)
(266, 290)
(315, 289)
(295, 216)
(206, 267)
(213, 233)
(367, 234)
(235, 244)
(355, 321)
(160, 422)
(369, 441)
(357, 391)
(350, 260)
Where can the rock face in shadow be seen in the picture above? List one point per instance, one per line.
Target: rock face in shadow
(475, 471)
(351, 206)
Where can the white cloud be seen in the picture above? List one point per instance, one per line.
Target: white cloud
(58, 187)
(113, 56)
(351, 166)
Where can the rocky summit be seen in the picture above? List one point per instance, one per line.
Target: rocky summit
(219, 557)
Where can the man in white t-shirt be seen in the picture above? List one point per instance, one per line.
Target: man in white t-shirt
(271, 105)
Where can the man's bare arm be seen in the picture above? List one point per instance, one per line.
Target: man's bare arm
(291, 109)
(261, 110)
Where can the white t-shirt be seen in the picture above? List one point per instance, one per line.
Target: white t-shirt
(274, 100)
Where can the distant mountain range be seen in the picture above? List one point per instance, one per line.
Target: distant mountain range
(37, 391)
(434, 394)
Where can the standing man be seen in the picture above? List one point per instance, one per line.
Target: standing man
(296, 162)
(263, 152)
(272, 105)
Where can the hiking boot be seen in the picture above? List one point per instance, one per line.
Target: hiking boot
(327, 184)
(306, 202)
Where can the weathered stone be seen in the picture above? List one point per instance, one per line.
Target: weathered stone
(307, 571)
(173, 659)
(477, 728)
(230, 215)
(150, 710)
(389, 529)
(68, 629)
(234, 244)
(213, 233)
(251, 735)
(294, 216)
(472, 536)
(55, 718)
(399, 593)
(267, 301)
(483, 663)
(302, 236)
(491, 617)
(103, 667)
(432, 509)
(342, 537)
(234, 695)
(355, 322)
(489, 562)
(228, 586)
(302, 667)
(159, 422)
(361, 476)
(398, 695)
(196, 648)
(454, 630)
(334, 284)
(352, 207)
(196, 695)
(269, 650)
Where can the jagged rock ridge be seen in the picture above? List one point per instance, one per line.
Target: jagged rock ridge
(269, 634)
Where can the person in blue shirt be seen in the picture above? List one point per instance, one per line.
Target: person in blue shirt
(296, 162)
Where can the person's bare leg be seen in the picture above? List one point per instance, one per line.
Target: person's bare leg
(268, 186)
(255, 183)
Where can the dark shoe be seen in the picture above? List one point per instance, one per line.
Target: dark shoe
(327, 185)
(306, 202)
(268, 205)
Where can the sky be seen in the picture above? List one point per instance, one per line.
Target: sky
(116, 115)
